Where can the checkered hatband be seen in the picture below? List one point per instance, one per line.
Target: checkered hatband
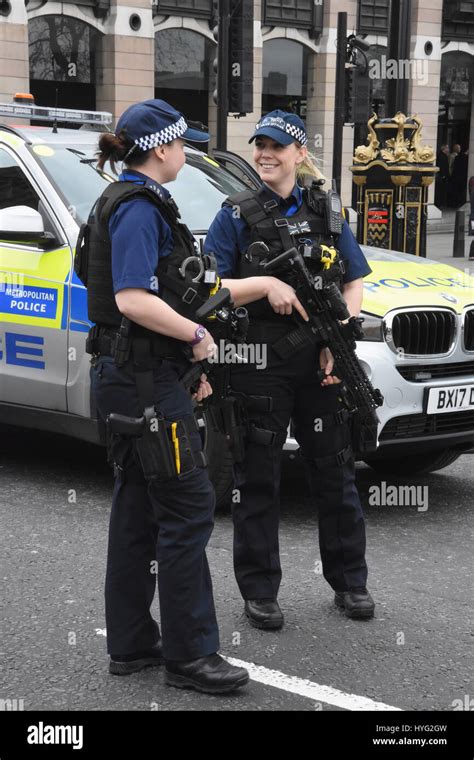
(297, 133)
(164, 136)
(276, 122)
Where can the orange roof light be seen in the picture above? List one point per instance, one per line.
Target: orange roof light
(24, 97)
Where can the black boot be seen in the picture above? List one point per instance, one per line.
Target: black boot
(211, 674)
(356, 602)
(124, 664)
(264, 613)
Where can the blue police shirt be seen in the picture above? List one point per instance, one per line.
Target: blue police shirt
(229, 235)
(140, 237)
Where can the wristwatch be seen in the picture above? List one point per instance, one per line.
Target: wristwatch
(199, 335)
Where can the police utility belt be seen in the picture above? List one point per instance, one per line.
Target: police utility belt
(164, 448)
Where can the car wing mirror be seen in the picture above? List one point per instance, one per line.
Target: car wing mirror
(23, 224)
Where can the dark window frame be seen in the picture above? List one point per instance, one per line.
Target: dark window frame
(369, 8)
(202, 8)
(458, 24)
(101, 7)
(314, 21)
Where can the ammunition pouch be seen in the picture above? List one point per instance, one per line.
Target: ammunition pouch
(106, 341)
(228, 419)
(165, 450)
(253, 433)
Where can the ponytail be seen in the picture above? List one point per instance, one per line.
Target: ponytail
(308, 169)
(119, 147)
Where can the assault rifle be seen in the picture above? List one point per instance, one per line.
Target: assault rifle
(326, 309)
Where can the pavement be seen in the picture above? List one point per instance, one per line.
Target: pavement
(440, 241)
(439, 246)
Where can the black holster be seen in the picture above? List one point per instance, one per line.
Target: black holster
(227, 417)
(164, 449)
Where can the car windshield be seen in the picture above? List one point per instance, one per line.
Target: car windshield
(74, 176)
(201, 187)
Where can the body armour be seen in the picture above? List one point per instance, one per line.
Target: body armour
(306, 229)
(93, 264)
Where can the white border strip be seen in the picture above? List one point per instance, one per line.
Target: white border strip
(309, 689)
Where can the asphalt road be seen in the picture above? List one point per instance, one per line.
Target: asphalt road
(415, 655)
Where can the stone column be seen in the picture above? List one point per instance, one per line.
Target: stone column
(14, 72)
(125, 60)
(321, 98)
(425, 74)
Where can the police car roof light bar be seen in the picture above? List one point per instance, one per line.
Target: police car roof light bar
(42, 113)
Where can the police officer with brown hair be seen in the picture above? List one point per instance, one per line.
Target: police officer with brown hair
(163, 501)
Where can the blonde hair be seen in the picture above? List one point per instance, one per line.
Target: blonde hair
(308, 169)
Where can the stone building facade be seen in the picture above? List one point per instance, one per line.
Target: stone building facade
(107, 54)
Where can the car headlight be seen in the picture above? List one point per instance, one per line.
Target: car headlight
(372, 327)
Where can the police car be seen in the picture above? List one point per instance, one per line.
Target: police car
(419, 314)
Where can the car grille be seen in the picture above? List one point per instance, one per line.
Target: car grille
(423, 332)
(420, 373)
(469, 330)
(420, 425)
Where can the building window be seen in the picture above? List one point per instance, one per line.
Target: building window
(62, 49)
(183, 62)
(62, 54)
(193, 8)
(285, 76)
(378, 84)
(373, 16)
(455, 98)
(458, 20)
(289, 13)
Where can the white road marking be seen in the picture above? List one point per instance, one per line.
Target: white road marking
(295, 685)
(309, 689)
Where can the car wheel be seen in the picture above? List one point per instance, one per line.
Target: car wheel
(430, 461)
(219, 459)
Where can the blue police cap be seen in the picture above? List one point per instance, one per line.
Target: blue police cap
(281, 126)
(152, 123)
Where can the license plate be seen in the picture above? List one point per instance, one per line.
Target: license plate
(454, 398)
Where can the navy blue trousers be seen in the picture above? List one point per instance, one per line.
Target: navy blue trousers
(298, 395)
(167, 524)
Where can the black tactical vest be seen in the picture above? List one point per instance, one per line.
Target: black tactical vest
(307, 228)
(94, 245)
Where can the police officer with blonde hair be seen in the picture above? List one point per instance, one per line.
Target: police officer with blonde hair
(253, 228)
